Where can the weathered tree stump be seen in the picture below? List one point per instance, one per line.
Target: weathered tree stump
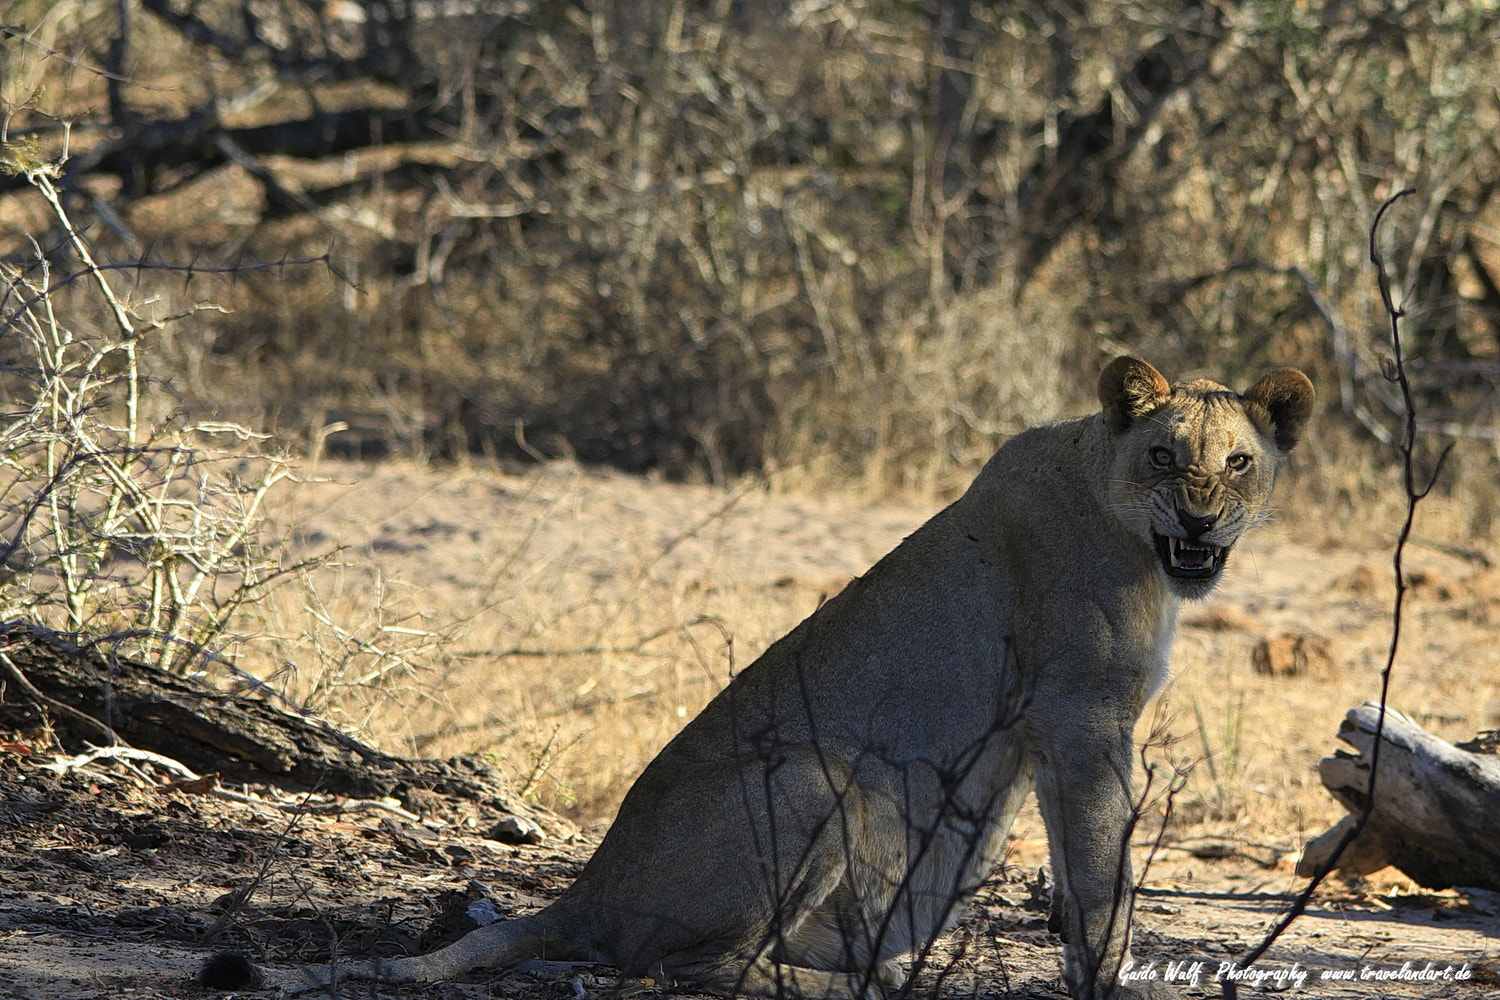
(240, 738)
(1436, 812)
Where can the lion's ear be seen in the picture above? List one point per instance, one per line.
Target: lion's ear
(1129, 389)
(1286, 397)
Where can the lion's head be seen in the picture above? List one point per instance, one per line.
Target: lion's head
(1194, 463)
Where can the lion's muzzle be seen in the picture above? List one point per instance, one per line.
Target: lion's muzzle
(1190, 560)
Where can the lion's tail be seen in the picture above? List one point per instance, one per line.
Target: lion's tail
(499, 944)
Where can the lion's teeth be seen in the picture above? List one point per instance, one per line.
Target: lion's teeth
(1175, 547)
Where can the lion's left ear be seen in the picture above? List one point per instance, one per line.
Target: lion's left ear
(1285, 396)
(1130, 389)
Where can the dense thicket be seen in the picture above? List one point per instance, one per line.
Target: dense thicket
(852, 237)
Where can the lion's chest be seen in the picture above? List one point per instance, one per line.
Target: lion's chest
(1106, 642)
(1156, 648)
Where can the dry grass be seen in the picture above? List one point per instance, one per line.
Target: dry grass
(582, 616)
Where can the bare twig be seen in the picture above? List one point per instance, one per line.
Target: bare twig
(187, 271)
(210, 785)
(115, 520)
(241, 897)
(41, 699)
(1395, 371)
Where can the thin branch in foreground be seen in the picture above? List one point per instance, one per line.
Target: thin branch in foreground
(188, 272)
(44, 702)
(1395, 371)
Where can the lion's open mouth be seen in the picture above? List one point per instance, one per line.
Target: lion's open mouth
(1190, 560)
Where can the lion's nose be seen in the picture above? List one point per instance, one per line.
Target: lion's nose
(1194, 524)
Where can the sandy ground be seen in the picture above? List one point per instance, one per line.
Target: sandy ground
(114, 885)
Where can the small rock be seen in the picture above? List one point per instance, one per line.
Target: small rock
(1293, 656)
(1364, 580)
(516, 830)
(1220, 618)
(483, 912)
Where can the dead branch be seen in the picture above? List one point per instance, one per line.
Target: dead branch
(243, 739)
(1434, 817)
(1396, 372)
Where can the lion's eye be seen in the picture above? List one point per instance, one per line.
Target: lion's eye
(1161, 457)
(1238, 462)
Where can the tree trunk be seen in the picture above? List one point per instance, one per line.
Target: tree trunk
(242, 739)
(1436, 807)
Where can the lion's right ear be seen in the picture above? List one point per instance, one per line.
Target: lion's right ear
(1286, 396)
(1129, 389)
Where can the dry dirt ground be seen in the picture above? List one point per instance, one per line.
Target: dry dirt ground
(117, 883)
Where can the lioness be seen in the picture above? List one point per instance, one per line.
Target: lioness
(829, 809)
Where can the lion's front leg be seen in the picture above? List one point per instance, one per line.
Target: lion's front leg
(1083, 788)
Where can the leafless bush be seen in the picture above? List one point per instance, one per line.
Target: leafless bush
(120, 516)
(127, 519)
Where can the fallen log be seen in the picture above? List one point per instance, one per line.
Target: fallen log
(97, 698)
(1436, 807)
